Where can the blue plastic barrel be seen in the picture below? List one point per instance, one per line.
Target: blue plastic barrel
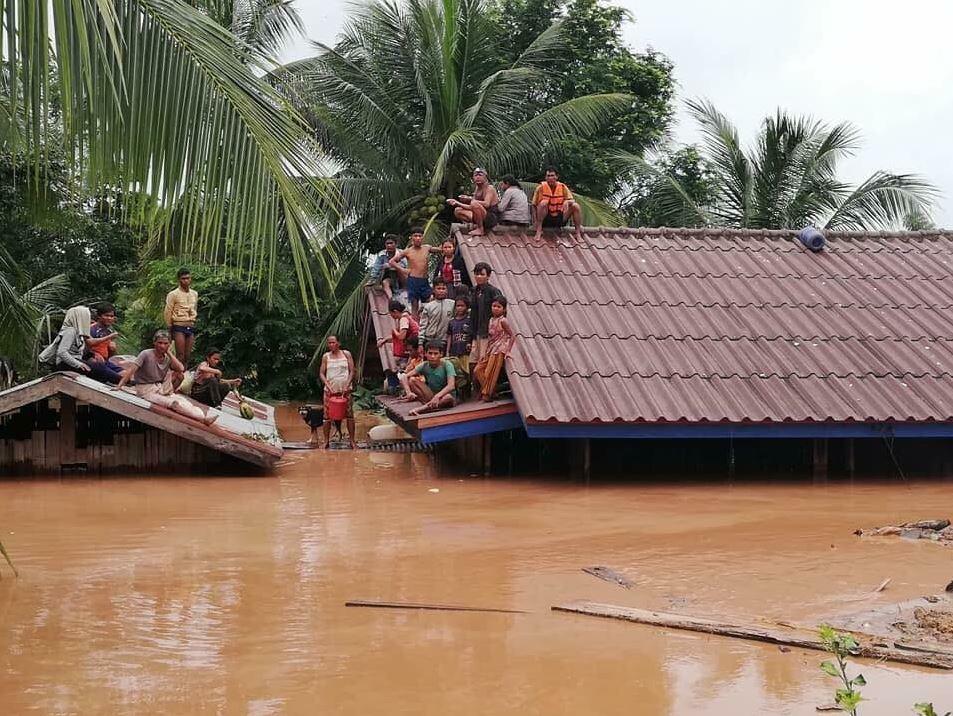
(811, 238)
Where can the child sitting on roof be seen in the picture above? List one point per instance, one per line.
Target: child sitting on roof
(499, 344)
(417, 356)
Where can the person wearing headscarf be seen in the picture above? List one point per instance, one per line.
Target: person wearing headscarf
(69, 351)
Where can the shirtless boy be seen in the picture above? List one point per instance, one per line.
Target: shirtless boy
(417, 255)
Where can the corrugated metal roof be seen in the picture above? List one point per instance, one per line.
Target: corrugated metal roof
(698, 325)
(383, 325)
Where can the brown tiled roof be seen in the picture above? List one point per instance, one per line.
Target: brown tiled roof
(650, 325)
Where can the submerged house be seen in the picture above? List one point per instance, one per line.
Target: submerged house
(68, 422)
(753, 347)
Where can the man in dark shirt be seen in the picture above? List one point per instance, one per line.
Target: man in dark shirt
(483, 296)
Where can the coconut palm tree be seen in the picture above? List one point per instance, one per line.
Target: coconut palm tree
(411, 98)
(786, 179)
(25, 309)
(156, 98)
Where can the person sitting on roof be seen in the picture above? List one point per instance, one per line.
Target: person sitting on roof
(554, 205)
(479, 208)
(337, 375)
(208, 386)
(153, 370)
(435, 314)
(101, 344)
(499, 344)
(68, 351)
(417, 356)
(438, 388)
(514, 204)
(406, 326)
(451, 269)
(418, 258)
(390, 278)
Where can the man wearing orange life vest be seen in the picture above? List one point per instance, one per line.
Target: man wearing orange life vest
(553, 205)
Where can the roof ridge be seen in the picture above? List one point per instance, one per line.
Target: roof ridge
(728, 304)
(761, 375)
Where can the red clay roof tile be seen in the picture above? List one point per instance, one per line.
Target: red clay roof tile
(704, 325)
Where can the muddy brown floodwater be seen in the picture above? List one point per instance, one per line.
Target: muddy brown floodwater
(226, 595)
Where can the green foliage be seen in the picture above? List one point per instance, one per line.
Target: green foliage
(928, 710)
(156, 96)
(786, 179)
(267, 346)
(592, 58)
(366, 399)
(47, 233)
(842, 646)
(643, 203)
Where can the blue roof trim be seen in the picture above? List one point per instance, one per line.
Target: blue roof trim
(469, 428)
(740, 430)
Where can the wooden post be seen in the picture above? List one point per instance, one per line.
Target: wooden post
(820, 459)
(731, 458)
(487, 455)
(849, 456)
(67, 431)
(587, 459)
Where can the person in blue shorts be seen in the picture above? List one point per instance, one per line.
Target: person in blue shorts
(418, 260)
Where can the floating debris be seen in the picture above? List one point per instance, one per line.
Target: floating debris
(938, 531)
(609, 575)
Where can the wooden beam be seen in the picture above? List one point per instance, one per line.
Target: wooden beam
(870, 646)
(849, 456)
(27, 393)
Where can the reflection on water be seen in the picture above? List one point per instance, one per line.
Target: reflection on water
(226, 595)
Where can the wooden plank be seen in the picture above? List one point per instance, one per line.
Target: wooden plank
(27, 393)
(432, 607)
(156, 416)
(67, 431)
(870, 647)
(442, 418)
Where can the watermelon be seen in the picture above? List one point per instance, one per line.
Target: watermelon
(246, 410)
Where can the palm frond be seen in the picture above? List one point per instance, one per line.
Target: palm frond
(882, 200)
(580, 117)
(157, 98)
(728, 161)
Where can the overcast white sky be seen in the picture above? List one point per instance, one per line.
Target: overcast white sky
(885, 66)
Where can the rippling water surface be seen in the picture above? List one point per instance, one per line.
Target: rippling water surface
(226, 595)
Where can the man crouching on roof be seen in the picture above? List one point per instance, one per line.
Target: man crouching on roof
(554, 205)
(438, 389)
(153, 370)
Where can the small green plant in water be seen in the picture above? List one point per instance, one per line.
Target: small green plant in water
(842, 646)
(3, 551)
(928, 710)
